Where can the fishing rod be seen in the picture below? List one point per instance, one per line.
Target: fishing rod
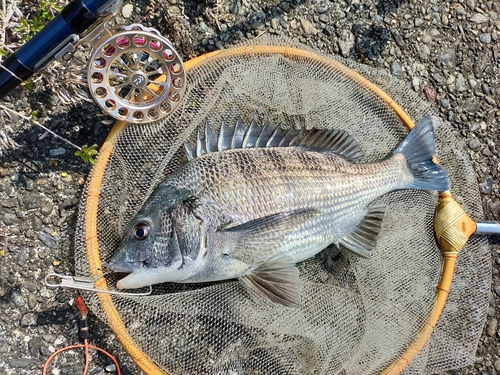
(57, 40)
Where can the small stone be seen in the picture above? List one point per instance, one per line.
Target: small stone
(398, 39)
(127, 10)
(20, 363)
(495, 210)
(470, 4)
(444, 20)
(4, 184)
(47, 293)
(45, 351)
(49, 238)
(28, 319)
(324, 18)
(472, 83)
(445, 103)
(258, 26)
(329, 30)
(478, 18)
(491, 329)
(17, 297)
(34, 345)
(235, 7)
(472, 106)
(9, 203)
(30, 184)
(497, 365)
(496, 285)
(32, 200)
(346, 42)
(478, 126)
(10, 219)
(48, 338)
(427, 38)
(460, 11)
(322, 8)
(474, 144)
(57, 151)
(274, 24)
(378, 18)
(485, 88)
(438, 78)
(307, 27)
(111, 368)
(419, 22)
(490, 100)
(396, 69)
(46, 208)
(491, 311)
(485, 38)
(22, 257)
(424, 51)
(448, 57)
(32, 301)
(430, 94)
(460, 83)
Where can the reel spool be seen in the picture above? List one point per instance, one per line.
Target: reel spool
(136, 75)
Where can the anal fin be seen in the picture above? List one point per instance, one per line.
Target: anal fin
(277, 281)
(364, 238)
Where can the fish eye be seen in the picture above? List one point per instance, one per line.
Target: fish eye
(141, 231)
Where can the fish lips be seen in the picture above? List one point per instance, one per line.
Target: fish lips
(124, 267)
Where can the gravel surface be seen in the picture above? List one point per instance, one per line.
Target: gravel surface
(449, 52)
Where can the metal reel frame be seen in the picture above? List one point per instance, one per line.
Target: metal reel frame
(136, 75)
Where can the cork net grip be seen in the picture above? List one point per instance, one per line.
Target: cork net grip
(450, 242)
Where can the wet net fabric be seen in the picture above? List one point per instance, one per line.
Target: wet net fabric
(357, 315)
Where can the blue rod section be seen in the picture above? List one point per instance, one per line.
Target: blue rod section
(33, 56)
(487, 227)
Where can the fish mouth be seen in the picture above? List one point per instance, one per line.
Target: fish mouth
(124, 267)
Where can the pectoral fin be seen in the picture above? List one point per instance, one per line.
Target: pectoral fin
(282, 220)
(364, 238)
(243, 241)
(277, 281)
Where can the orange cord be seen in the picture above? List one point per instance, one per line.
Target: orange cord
(83, 311)
(85, 346)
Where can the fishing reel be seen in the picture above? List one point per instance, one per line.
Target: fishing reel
(134, 73)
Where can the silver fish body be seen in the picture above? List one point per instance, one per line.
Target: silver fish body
(249, 210)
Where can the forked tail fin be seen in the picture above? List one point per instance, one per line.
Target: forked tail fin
(418, 148)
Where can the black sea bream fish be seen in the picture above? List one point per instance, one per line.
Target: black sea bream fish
(251, 202)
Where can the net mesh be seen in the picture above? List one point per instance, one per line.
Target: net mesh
(357, 315)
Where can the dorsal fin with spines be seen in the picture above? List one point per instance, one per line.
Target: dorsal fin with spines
(337, 142)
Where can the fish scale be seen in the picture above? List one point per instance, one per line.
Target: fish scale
(335, 182)
(253, 202)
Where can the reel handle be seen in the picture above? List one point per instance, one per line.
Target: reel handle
(56, 40)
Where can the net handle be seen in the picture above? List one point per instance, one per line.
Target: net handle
(453, 228)
(112, 315)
